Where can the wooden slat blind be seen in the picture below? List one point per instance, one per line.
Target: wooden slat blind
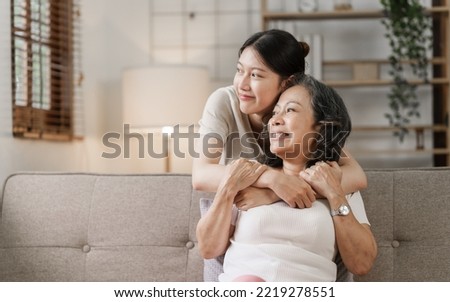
(46, 68)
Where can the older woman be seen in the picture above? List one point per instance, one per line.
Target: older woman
(279, 243)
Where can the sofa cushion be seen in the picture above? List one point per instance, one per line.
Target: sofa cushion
(87, 227)
(409, 210)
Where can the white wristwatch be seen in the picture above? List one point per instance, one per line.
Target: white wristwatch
(342, 210)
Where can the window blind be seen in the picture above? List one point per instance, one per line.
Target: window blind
(46, 68)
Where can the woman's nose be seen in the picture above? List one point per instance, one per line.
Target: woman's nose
(244, 83)
(276, 120)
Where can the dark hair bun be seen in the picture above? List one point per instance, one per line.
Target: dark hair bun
(305, 48)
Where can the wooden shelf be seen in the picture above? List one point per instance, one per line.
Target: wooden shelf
(323, 15)
(336, 15)
(418, 129)
(371, 152)
(353, 83)
(435, 128)
(434, 61)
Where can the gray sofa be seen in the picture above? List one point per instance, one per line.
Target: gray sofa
(92, 227)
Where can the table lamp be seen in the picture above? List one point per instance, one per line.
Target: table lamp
(157, 98)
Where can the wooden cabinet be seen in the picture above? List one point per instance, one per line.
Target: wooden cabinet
(439, 64)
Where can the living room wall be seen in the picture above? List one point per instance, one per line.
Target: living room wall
(111, 41)
(27, 155)
(117, 34)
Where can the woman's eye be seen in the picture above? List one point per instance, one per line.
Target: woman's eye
(290, 110)
(255, 75)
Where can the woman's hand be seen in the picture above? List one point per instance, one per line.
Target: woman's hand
(294, 190)
(325, 178)
(241, 174)
(252, 197)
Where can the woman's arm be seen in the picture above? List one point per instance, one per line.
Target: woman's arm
(252, 197)
(294, 190)
(214, 229)
(355, 241)
(217, 119)
(207, 173)
(353, 176)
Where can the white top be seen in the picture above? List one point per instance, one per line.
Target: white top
(280, 243)
(223, 118)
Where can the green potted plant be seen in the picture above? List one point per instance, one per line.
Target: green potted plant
(408, 30)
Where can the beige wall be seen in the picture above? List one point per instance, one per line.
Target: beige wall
(28, 155)
(111, 41)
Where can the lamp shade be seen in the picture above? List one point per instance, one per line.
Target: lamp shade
(164, 95)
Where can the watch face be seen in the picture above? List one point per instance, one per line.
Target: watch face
(344, 210)
(307, 5)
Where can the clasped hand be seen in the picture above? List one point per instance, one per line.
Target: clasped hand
(320, 180)
(241, 174)
(325, 178)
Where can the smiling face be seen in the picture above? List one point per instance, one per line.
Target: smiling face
(256, 85)
(292, 126)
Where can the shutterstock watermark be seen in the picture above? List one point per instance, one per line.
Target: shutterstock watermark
(158, 144)
(120, 143)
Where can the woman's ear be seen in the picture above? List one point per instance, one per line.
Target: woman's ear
(318, 127)
(285, 83)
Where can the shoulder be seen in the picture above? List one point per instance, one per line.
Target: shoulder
(219, 112)
(222, 104)
(223, 97)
